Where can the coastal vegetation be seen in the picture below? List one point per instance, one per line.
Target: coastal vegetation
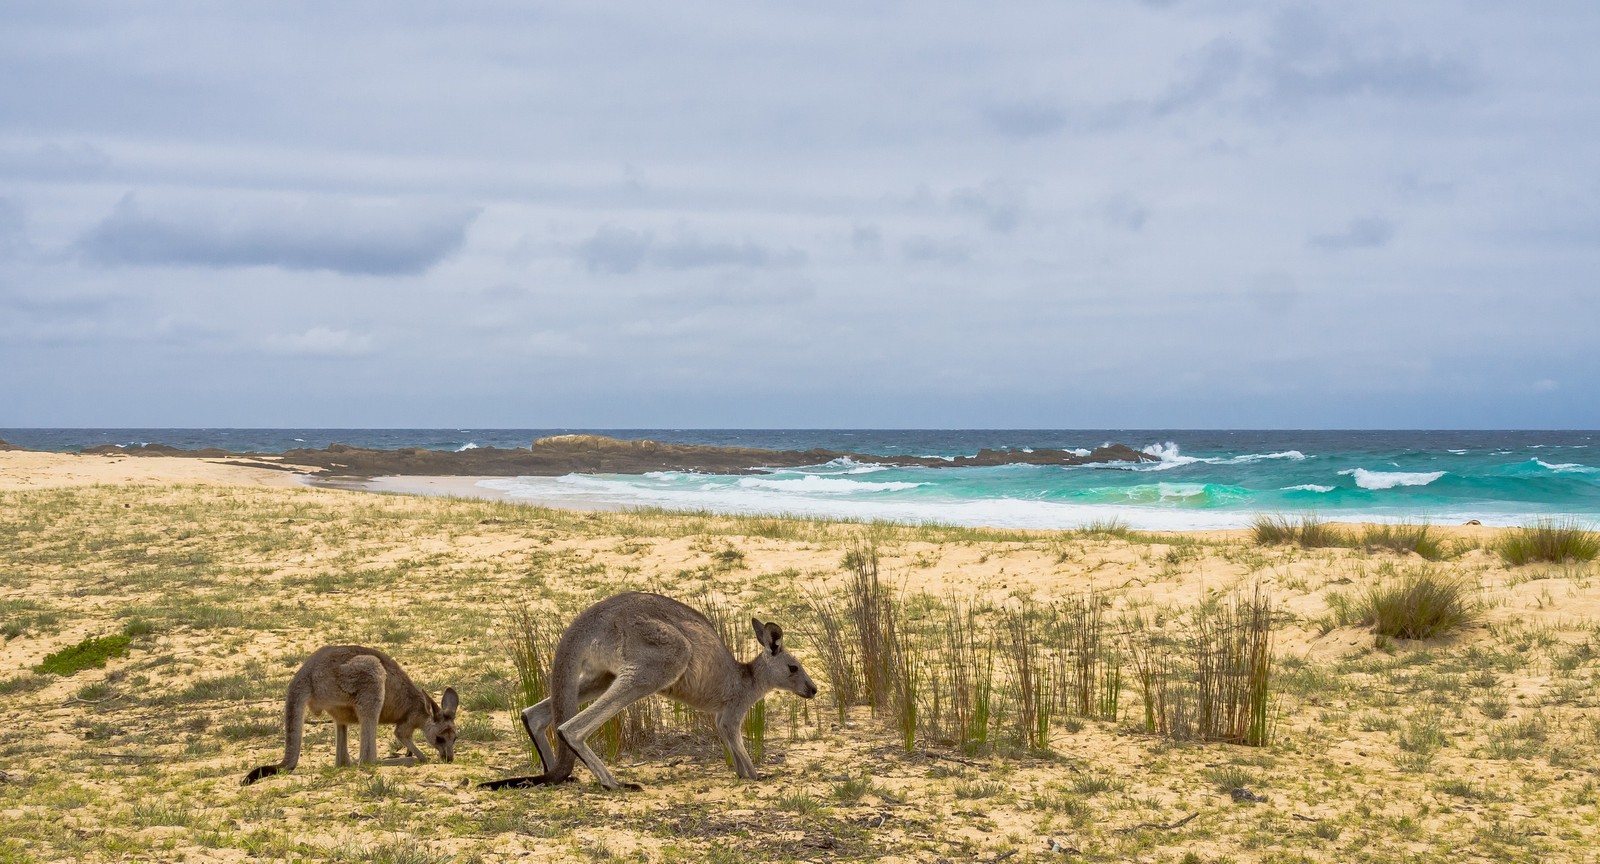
(987, 694)
(1311, 532)
(1548, 541)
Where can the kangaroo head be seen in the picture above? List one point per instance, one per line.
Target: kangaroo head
(440, 728)
(777, 668)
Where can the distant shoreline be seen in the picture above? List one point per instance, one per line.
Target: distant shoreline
(446, 486)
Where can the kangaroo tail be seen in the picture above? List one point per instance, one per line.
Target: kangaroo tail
(294, 723)
(563, 705)
(257, 774)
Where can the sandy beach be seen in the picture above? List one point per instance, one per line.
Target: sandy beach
(224, 577)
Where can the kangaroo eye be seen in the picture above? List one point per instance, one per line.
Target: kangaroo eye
(793, 668)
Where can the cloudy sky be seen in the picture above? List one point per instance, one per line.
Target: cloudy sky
(1100, 213)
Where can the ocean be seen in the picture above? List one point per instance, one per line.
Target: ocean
(1204, 479)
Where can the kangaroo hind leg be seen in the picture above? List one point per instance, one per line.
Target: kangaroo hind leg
(536, 719)
(642, 679)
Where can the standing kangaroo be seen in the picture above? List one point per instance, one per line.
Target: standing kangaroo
(364, 686)
(631, 645)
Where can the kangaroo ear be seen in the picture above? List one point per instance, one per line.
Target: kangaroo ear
(761, 631)
(775, 637)
(449, 701)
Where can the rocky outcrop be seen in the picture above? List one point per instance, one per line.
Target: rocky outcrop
(7, 445)
(594, 454)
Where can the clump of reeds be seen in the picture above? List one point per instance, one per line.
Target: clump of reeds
(1233, 668)
(961, 680)
(1309, 531)
(1165, 688)
(1088, 666)
(1212, 678)
(1111, 527)
(871, 610)
(1022, 639)
(1548, 540)
(1418, 603)
(1404, 538)
(531, 644)
(835, 643)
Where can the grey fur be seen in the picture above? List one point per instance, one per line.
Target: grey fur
(631, 645)
(365, 687)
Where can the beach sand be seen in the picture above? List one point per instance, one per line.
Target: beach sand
(228, 576)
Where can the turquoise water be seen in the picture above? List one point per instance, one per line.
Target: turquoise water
(1204, 479)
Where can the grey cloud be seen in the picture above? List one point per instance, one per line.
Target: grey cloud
(1122, 211)
(1025, 119)
(320, 342)
(1366, 233)
(57, 161)
(1308, 58)
(312, 234)
(935, 250)
(867, 240)
(614, 250)
(13, 228)
(622, 250)
(997, 203)
(1304, 58)
(690, 252)
(1215, 67)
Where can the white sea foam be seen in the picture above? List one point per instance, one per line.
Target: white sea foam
(1296, 455)
(1308, 487)
(1171, 457)
(719, 495)
(1460, 452)
(1080, 451)
(467, 446)
(811, 484)
(1167, 452)
(1379, 480)
(1567, 467)
(687, 491)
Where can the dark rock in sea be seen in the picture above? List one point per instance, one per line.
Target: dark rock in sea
(594, 454)
(7, 445)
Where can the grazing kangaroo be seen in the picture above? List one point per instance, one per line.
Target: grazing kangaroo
(629, 646)
(356, 685)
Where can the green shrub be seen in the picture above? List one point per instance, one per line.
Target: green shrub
(92, 653)
(1418, 604)
(1404, 538)
(1310, 532)
(1548, 541)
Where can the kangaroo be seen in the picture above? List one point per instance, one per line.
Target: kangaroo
(631, 645)
(365, 686)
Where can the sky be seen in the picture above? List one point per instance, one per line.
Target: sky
(1089, 214)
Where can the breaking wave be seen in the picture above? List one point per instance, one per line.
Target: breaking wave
(1380, 480)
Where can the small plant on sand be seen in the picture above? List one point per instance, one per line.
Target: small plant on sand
(1309, 532)
(1548, 541)
(1418, 603)
(1404, 538)
(1112, 527)
(91, 653)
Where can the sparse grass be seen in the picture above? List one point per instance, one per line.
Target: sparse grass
(1557, 542)
(1308, 531)
(219, 590)
(1420, 539)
